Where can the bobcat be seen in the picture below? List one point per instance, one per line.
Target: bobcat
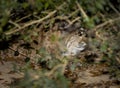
(69, 43)
(74, 44)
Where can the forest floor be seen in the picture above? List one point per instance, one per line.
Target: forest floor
(92, 76)
(85, 75)
(32, 49)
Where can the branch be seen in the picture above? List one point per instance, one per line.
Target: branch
(16, 25)
(81, 10)
(23, 18)
(110, 4)
(31, 23)
(72, 22)
(73, 13)
(106, 22)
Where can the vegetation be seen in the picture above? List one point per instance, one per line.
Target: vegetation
(31, 22)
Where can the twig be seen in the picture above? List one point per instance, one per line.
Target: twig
(73, 13)
(23, 18)
(76, 19)
(73, 21)
(106, 22)
(33, 22)
(110, 4)
(62, 18)
(61, 6)
(66, 18)
(19, 52)
(81, 10)
(17, 25)
(118, 59)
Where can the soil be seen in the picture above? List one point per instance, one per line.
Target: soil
(85, 75)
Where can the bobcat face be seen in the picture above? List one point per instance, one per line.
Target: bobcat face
(74, 44)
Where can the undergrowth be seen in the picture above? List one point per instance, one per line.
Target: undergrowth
(26, 18)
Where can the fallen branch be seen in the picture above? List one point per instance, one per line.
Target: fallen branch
(23, 18)
(16, 25)
(81, 10)
(73, 13)
(106, 22)
(62, 18)
(111, 5)
(72, 22)
(31, 23)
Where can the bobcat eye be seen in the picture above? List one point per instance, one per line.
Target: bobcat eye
(81, 33)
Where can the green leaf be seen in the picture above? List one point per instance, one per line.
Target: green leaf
(53, 38)
(46, 5)
(104, 47)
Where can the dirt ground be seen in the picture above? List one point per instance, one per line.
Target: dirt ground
(84, 75)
